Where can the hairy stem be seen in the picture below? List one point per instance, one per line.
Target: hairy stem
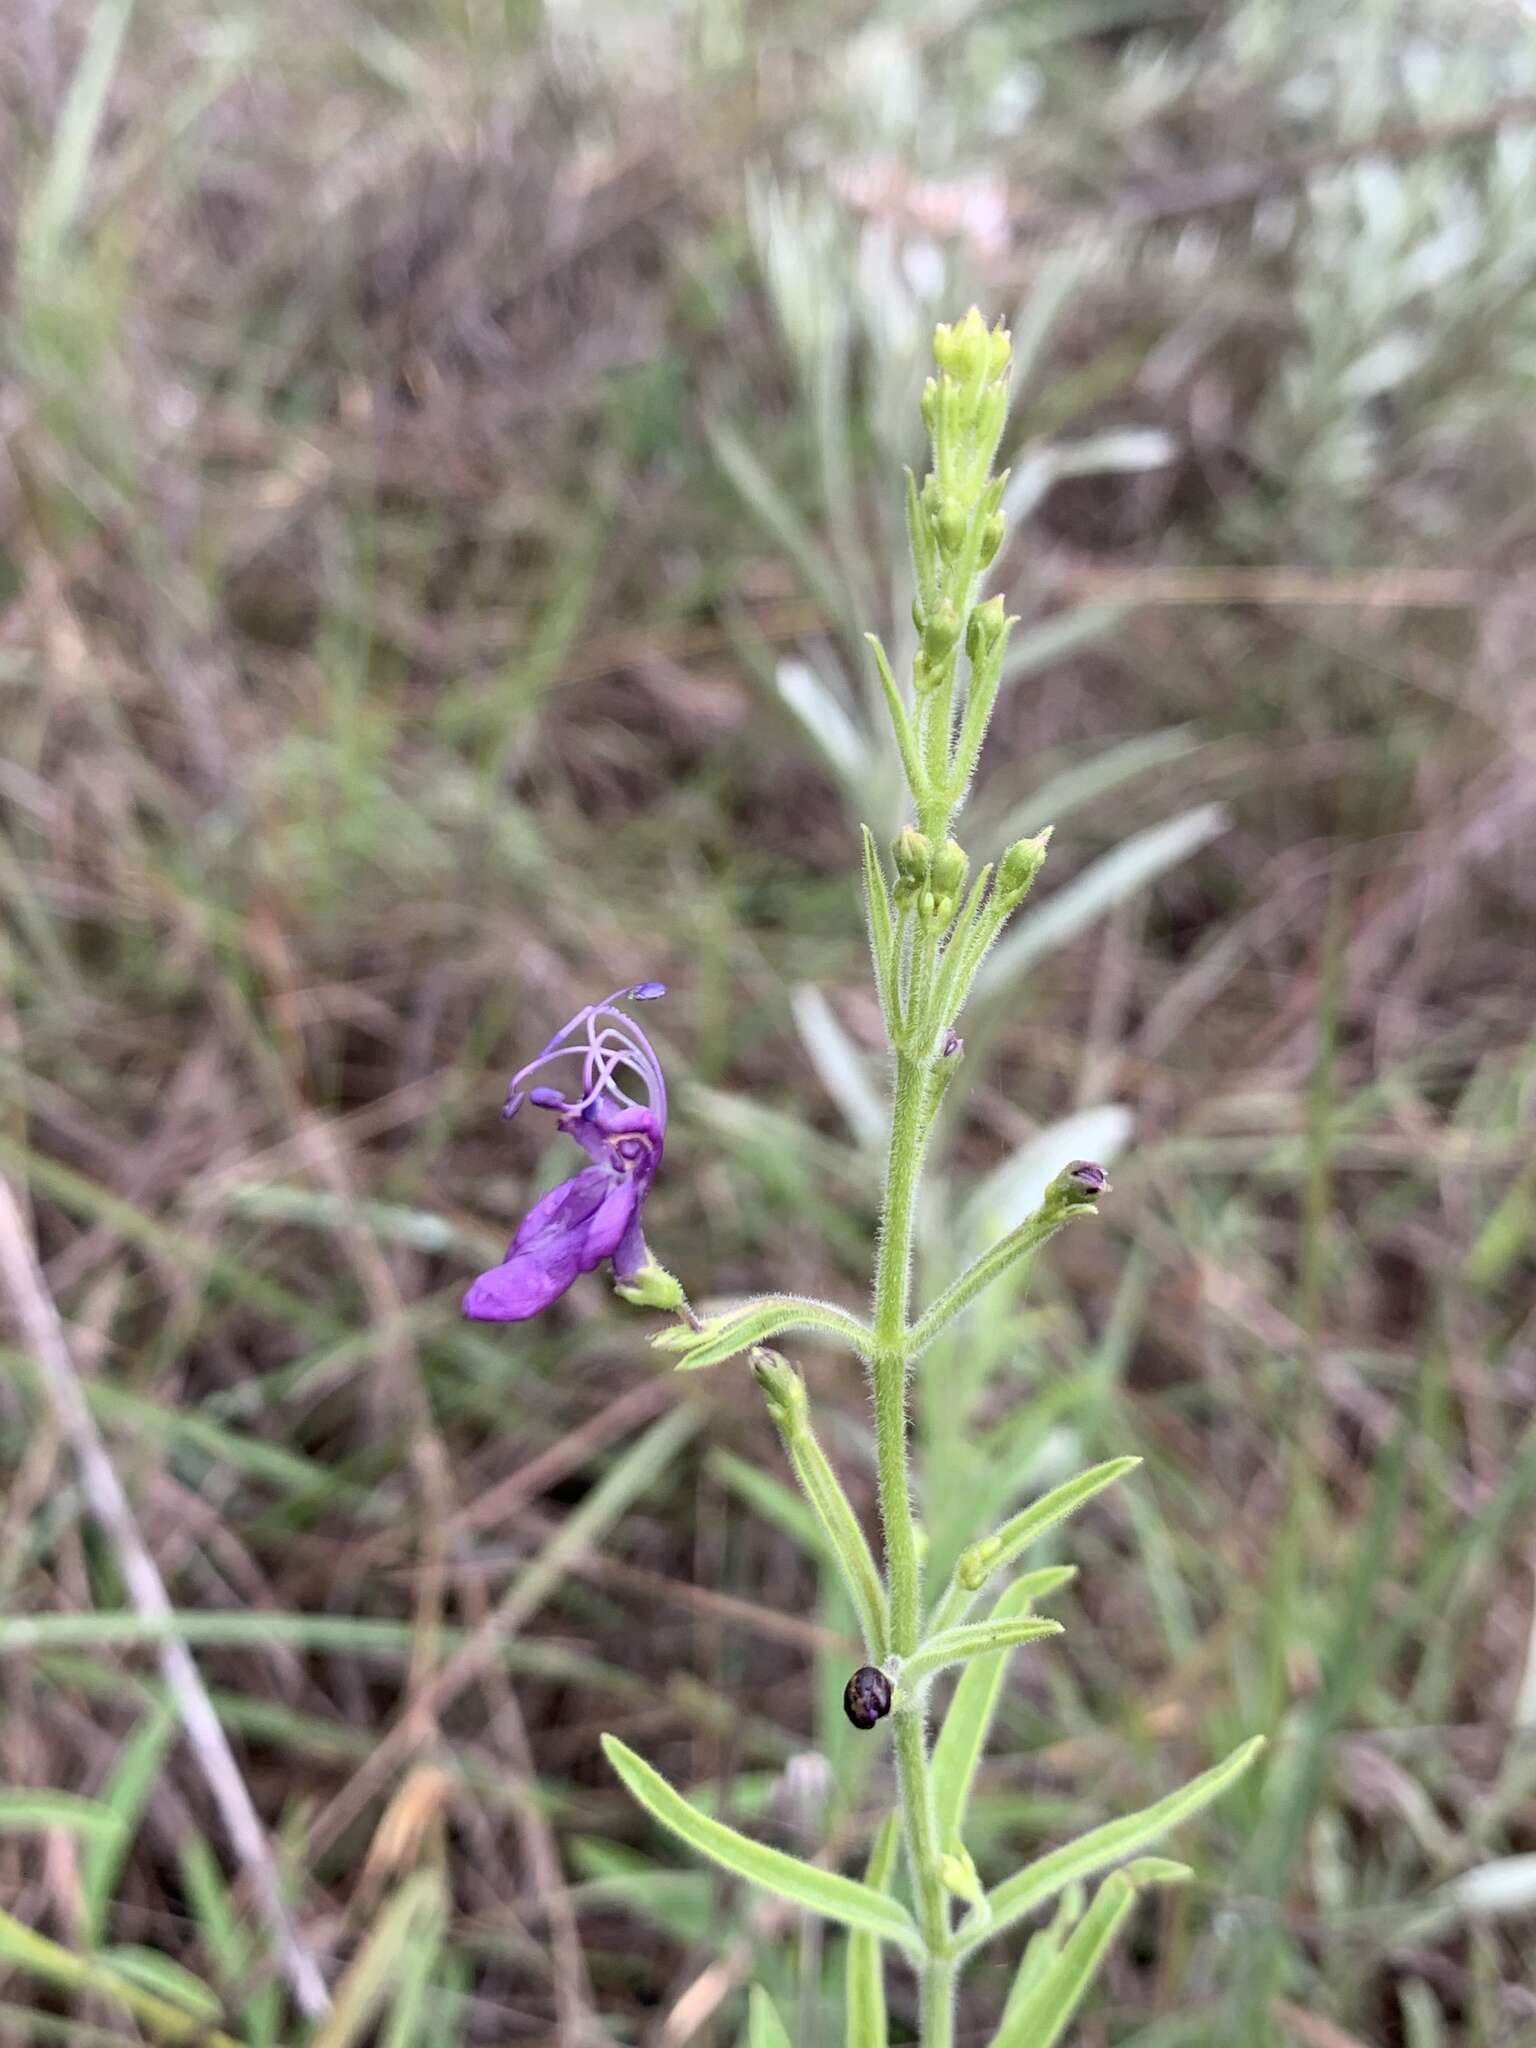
(938, 2009)
(892, 1282)
(903, 1569)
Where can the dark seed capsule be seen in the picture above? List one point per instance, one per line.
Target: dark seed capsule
(867, 1696)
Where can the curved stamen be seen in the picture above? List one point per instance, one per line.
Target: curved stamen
(617, 1044)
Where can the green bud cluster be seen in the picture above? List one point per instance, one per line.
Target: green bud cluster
(955, 523)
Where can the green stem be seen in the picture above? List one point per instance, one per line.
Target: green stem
(892, 1283)
(909, 1125)
(938, 2010)
(1027, 1237)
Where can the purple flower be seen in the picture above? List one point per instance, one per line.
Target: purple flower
(596, 1214)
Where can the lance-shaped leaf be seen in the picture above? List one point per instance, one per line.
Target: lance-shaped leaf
(964, 1734)
(725, 1336)
(764, 2027)
(906, 739)
(1048, 1875)
(804, 1884)
(864, 1991)
(1040, 2017)
(882, 933)
(1041, 1951)
(980, 1561)
(973, 1639)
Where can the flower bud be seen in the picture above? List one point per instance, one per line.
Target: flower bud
(988, 627)
(940, 632)
(976, 1564)
(950, 524)
(949, 868)
(1077, 1186)
(930, 403)
(783, 1388)
(964, 350)
(948, 351)
(957, 1874)
(1020, 865)
(992, 539)
(914, 857)
(999, 351)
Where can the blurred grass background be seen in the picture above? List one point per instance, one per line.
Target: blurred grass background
(451, 450)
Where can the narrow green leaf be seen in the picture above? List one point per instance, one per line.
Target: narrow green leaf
(764, 2027)
(963, 1736)
(725, 1336)
(973, 1639)
(1041, 1950)
(865, 1987)
(981, 1561)
(882, 932)
(818, 1891)
(906, 739)
(1044, 1878)
(1041, 2017)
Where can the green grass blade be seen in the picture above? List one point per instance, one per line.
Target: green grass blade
(29, 1812)
(864, 1990)
(401, 1942)
(125, 1796)
(817, 1891)
(59, 197)
(1044, 1878)
(54, 1964)
(764, 2027)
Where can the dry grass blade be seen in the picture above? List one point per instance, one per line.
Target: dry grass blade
(210, 1746)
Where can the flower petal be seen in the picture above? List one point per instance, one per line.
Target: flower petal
(554, 1243)
(523, 1287)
